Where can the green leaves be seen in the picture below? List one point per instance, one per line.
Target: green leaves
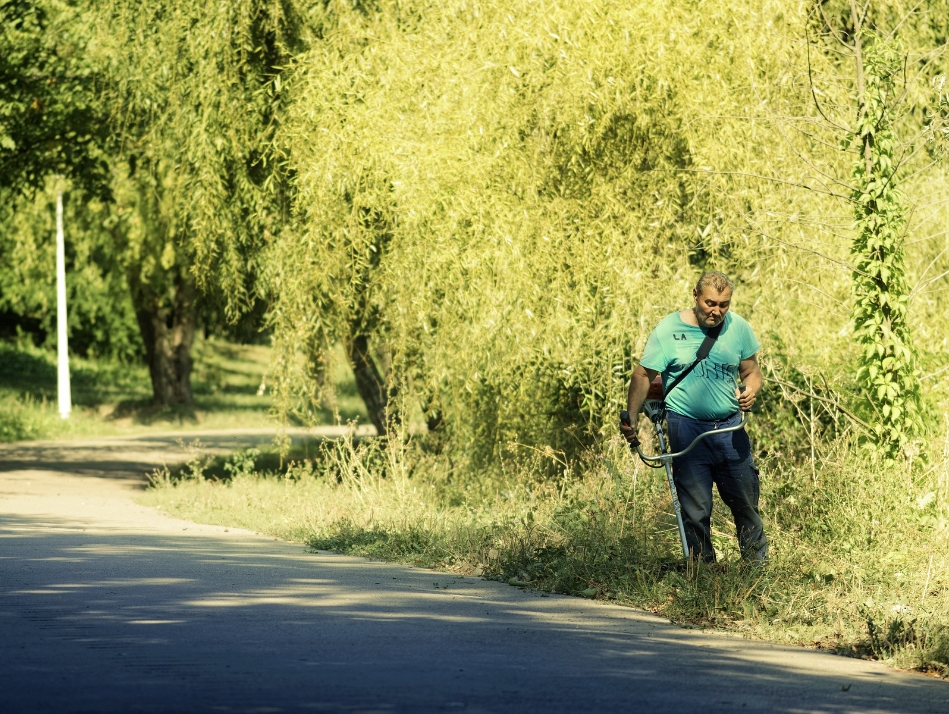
(51, 121)
(887, 366)
(508, 238)
(195, 102)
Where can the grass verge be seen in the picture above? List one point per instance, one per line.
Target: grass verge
(859, 564)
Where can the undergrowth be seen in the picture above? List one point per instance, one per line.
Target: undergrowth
(858, 559)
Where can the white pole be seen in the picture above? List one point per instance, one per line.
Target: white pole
(65, 400)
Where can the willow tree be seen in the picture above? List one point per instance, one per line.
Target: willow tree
(195, 98)
(501, 197)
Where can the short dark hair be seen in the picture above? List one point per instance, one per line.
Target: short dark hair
(715, 279)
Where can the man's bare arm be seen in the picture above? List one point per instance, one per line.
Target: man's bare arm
(750, 375)
(638, 389)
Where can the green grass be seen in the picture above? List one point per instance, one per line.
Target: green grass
(29, 399)
(114, 398)
(859, 564)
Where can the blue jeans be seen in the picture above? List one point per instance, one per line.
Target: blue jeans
(726, 461)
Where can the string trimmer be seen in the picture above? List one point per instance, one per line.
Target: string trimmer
(654, 409)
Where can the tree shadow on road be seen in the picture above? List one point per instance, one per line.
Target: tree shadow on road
(226, 619)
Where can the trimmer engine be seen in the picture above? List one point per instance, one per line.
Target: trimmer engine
(652, 406)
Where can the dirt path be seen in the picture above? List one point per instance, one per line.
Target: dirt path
(109, 606)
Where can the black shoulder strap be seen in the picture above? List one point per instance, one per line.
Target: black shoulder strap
(704, 349)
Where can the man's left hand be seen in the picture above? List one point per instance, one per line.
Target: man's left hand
(746, 398)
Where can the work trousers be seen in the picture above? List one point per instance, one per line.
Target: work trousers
(726, 461)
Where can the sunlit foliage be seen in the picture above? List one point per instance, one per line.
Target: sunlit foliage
(887, 360)
(498, 202)
(504, 200)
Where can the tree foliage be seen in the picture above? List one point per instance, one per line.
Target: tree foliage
(499, 202)
(488, 205)
(50, 119)
(876, 102)
(101, 318)
(887, 369)
(194, 98)
(506, 198)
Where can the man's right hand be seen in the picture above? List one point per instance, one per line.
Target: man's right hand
(628, 429)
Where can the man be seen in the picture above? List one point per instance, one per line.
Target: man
(707, 398)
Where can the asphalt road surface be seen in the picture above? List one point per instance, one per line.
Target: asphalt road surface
(109, 606)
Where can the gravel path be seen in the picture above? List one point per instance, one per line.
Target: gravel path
(109, 606)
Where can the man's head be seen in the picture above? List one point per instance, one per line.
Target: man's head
(713, 295)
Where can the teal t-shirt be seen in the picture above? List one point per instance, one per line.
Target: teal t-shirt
(708, 392)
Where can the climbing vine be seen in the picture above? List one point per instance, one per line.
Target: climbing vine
(887, 370)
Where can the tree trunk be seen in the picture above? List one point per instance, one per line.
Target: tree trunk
(168, 333)
(369, 382)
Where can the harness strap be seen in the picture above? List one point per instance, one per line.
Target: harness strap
(702, 353)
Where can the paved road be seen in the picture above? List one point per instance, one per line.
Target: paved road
(108, 606)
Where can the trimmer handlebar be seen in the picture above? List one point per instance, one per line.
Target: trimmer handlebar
(655, 410)
(662, 458)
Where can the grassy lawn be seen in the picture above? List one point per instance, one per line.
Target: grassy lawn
(111, 398)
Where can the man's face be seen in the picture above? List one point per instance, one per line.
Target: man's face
(711, 305)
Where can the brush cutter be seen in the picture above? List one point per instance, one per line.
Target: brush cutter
(655, 410)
